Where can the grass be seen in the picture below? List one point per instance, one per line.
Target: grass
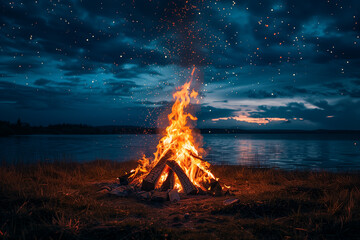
(61, 201)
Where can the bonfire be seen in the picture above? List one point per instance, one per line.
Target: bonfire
(177, 163)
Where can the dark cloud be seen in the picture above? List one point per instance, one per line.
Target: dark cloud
(296, 90)
(342, 115)
(76, 68)
(209, 113)
(68, 84)
(354, 93)
(291, 110)
(42, 82)
(4, 75)
(40, 99)
(356, 82)
(159, 103)
(20, 66)
(122, 88)
(45, 82)
(131, 71)
(56, 54)
(334, 85)
(266, 94)
(26, 97)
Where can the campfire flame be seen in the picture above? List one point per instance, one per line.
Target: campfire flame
(179, 139)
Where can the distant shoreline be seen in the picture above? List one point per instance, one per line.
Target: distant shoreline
(8, 129)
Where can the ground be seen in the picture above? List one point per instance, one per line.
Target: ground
(62, 201)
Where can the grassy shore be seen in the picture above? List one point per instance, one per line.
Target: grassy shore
(62, 201)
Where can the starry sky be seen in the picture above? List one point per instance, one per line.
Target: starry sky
(260, 64)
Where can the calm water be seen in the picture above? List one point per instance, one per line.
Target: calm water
(288, 151)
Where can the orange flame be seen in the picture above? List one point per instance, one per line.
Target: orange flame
(179, 138)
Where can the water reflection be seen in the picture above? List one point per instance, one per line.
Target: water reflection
(288, 151)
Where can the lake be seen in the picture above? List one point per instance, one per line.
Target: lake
(335, 152)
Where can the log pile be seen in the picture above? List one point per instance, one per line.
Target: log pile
(167, 164)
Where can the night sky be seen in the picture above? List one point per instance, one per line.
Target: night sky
(260, 64)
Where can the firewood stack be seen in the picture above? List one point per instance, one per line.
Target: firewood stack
(166, 163)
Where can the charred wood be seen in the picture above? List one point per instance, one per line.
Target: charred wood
(152, 178)
(124, 180)
(169, 182)
(187, 185)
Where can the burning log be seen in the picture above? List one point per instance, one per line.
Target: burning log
(215, 189)
(152, 178)
(169, 182)
(124, 180)
(187, 185)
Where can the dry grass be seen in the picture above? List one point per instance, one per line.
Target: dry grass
(61, 201)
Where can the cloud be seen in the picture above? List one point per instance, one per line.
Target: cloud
(46, 82)
(76, 67)
(265, 94)
(356, 82)
(285, 50)
(42, 82)
(46, 98)
(19, 66)
(345, 114)
(334, 85)
(247, 119)
(121, 88)
(208, 113)
(4, 75)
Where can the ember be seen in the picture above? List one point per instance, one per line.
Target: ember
(177, 163)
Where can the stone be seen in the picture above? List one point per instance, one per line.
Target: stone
(105, 189)
(174, 195)
(230, 201)
(120, 191)
(143, 195)
(159, 196)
